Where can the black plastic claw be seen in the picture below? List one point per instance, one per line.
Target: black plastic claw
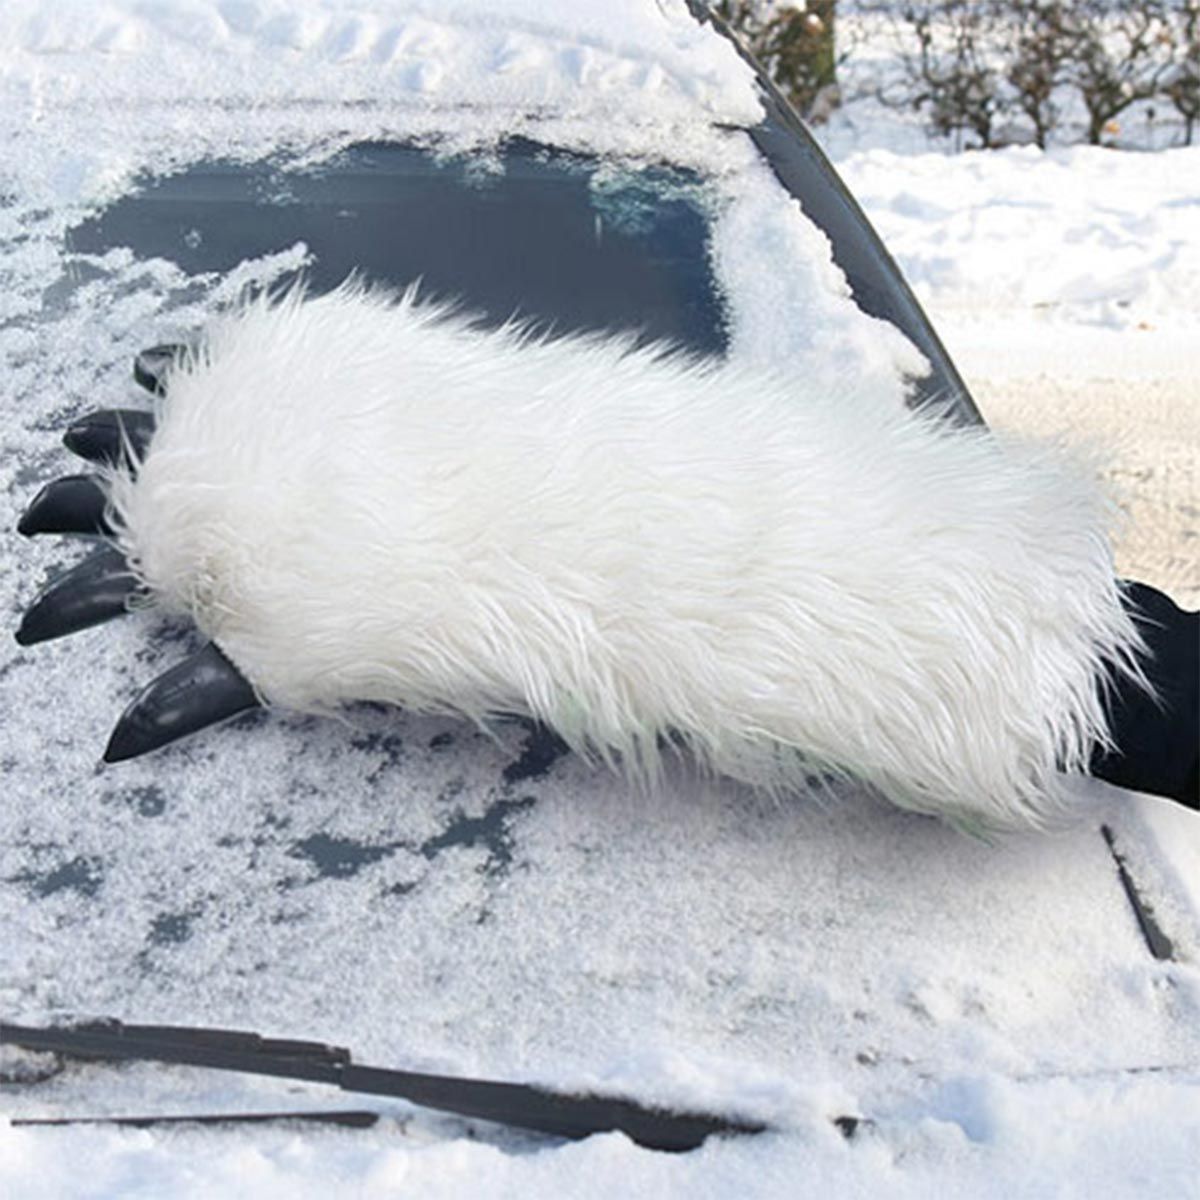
(96, 590)
(199, 692)
(109, 435)
(72, 504)
(150, 367)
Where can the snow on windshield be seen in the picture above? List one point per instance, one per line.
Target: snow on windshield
(422, 893)
(96, 97)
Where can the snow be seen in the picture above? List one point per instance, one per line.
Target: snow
(622, 74)
(1037, 247)
(990, 1010)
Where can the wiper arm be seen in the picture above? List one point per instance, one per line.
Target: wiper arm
(562, 1114)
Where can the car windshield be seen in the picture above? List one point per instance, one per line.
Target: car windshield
(557, 238)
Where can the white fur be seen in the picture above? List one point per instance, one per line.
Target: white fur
(367, 498)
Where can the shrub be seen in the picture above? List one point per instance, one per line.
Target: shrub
(1120, 54)
(1181, 84)
(967, 63)
(795, 42)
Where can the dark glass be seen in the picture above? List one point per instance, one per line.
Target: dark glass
(546, 237)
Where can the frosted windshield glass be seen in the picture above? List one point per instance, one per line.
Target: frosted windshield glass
(548, 235)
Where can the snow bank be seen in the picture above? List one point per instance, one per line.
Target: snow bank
(1098, 239)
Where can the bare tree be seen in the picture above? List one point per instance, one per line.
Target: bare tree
(1121, 54)
(1182, 82)
(1038, 60)
(953, 71)
(972, 65)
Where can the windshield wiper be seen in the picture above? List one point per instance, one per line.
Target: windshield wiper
(561, 1114)
(345, 1117)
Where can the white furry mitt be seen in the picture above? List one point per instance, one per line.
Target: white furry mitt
(359, 497)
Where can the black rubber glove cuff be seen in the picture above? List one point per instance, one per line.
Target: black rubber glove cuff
(1158, 737)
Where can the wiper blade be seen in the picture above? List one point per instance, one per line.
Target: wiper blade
(1152, 933)
(562, 1114)
(345, 1117)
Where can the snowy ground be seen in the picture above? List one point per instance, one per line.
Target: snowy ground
(991, 1010)
(1066, 286)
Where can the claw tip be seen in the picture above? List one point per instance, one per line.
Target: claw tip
(198, 692)
(125, 742)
